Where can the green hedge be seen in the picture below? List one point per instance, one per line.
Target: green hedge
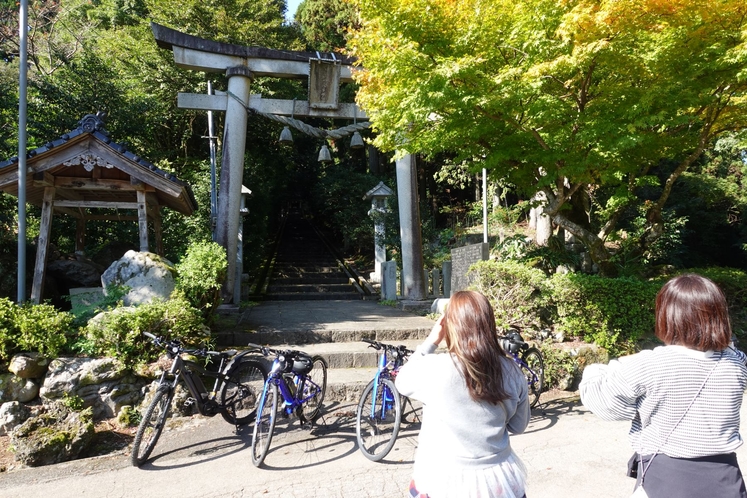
(30, 327)
(611, 312)
(516, 291)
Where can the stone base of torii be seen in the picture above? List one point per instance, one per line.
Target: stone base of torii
(325, 72)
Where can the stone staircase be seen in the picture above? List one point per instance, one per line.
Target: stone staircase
(305, 268)
(333, 330)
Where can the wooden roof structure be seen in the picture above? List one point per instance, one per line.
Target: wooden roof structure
(84, 171)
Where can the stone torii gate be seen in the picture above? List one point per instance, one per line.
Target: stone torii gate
(241, 64)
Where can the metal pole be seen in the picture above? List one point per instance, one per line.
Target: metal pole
(213, 183)
(484, 205)
(22, 84)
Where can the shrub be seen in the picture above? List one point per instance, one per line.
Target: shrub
(611, 312)
(119, 332)
(32, 327)
(515, 291)
(200, 275)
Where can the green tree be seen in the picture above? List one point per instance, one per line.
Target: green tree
(558, 97)
(325, 23)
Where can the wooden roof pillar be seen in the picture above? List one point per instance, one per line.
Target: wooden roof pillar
(42, 245)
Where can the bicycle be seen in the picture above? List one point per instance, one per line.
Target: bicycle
(301, 380)
(530, 361)
(238, 381)
(380, 407)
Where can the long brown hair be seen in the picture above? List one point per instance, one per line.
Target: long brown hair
(691, 311)
(470, 336)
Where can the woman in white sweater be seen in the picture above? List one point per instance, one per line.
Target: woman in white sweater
(473, 397)
(682, 399)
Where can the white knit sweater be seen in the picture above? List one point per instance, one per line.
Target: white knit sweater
(654, 388)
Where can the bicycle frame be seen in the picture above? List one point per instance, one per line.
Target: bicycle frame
(291, 398)
(524, 365)
(189, 372)
(383, 371)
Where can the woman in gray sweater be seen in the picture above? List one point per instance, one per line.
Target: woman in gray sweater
(473, 396)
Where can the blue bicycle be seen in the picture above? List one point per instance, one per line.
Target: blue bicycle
(380, 407)
(301, 381)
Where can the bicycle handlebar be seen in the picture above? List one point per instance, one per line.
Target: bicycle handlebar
(389, 347)
(175, 347)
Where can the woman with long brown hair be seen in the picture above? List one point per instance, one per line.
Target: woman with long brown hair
(473, 396)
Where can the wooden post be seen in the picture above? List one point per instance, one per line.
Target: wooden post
(42, 245)
(154, 210)
(80, 236)
(142, 220)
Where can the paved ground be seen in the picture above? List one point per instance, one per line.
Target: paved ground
(569, 453)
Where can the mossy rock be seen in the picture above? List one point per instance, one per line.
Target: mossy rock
(58, 435)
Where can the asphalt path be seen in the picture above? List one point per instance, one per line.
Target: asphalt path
(568, 451)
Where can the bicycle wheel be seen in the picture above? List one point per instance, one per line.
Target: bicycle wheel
(151, 425)
(265, 424)
(240, 393)
(317, 375)
(535, 375)
(378, 420)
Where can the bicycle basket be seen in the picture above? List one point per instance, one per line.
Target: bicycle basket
(302, 364)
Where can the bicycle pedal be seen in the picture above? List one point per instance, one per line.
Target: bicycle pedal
(189, 402)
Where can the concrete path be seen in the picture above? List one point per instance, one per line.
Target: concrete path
(569, 452)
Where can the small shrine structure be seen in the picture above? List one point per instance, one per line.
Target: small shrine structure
(83, 172)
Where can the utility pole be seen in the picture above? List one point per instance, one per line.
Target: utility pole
(22, 84)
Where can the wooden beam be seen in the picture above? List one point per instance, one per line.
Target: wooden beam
(69, 182)
(42, 246)
(43, 179)
(142, 215)
(110, 217)
(97, 204)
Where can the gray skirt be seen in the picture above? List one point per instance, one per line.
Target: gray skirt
(711, 476)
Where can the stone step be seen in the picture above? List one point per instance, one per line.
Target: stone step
(331, 296)
(306, 269)
(324, 278)
(303, 338)
(280, 287)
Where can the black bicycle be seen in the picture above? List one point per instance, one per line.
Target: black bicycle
(529, 360)
(238, 384)
(300, 380)
(380, 407)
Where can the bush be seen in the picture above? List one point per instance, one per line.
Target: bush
(515, 291)
(32, 327)
(611, 312)
(119, 332)
(200, 275)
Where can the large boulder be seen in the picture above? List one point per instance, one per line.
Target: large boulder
(14, 388)
(104, 384)
(147, 275)
(58, 435)
(28, 365)
(12, 414)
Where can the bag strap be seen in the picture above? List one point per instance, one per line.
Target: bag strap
(648, 464)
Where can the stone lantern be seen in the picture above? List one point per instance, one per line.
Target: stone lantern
(378, 196)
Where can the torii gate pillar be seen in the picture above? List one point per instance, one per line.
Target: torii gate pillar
(232, 170)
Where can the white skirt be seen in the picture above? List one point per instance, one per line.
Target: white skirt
(505, 480)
